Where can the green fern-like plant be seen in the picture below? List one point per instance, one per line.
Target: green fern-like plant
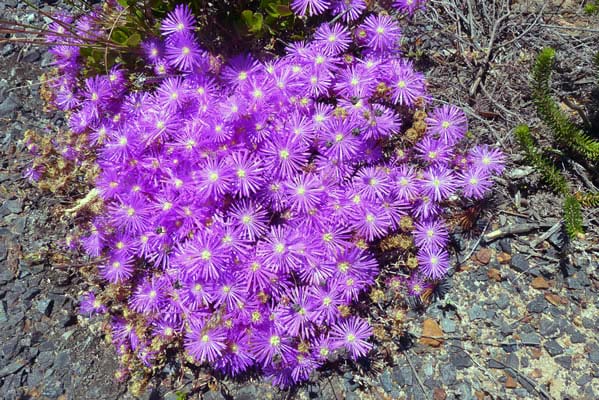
(573, 221)
(566, 132)
(539, 162)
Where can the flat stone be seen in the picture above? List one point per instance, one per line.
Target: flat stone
(53, 389)
(554, 348)
(386, 382)
(506, 329)
(494, 364)
(538, 305)
(403, 376)
(8, 106)
(14, 206)
(3, 314)
(448, 374)
(577, 337)
(531, 338)
(594, 356)
(448, 325)
(503, 301)
(11, 348)
(476, 312)
(12, 368)
(513, 361)
(519, 262)
(44, 306)
(547, 327)
(460, 360)
(564, 361)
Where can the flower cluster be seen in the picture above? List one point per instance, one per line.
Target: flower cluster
(240, 199)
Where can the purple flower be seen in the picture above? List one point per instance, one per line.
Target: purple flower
(310, 7)
(433, 263)
(487, 159)
(350, 10)
(437, 183)
(379, 32)
(406, 84)
(149, 296)
(180, 20)
(448, 122)
(269, 344)
(475, 182)
(205, 345)
(90, 305)
(431, 234)
(333, 39)
(434, 151)
(409, 6)
(417, 285)
(182, 52)
(352, 334)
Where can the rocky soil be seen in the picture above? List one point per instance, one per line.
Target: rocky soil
(519, 322)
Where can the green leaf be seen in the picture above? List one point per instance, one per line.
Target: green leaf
(120, 36)
(253, 21)
(123, 3)
(284, 10)
(134, 40)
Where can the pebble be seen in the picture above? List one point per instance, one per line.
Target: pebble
(45, 306)
(554, 348)
(538, 305)
(460, 359)
(403, 376)
(531, 338)
(564, 361)
(519, 262)
(503, 301)
(476, 312)
(8, 106)
(448, 325)
(448, 374)
(3, 314)
(547, 327)
(494, 364)
(53, 389)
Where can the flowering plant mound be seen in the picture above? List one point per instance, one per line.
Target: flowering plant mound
(242, 199)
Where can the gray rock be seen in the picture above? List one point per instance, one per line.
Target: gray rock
(14, 206)
(62, 359)
(594, 356)
(386, 382)
(448, 374)
(507, 329)
(519, 262)
(513, 361)
(547, 327)
(494, 364)
(476, 312)
(44, 306)
(503, 301)
(588, 323)
(448, 325)
(538, 305)
(506, 245)
(53, 389)
(45, 359)
(12, 368)
(460, 360)
(554, 349)
(32, 56)
(531, 338)
(403, 376)
(3, 314)
(583, 380)
(564, 361)
(11, 348)
(8, 106)
(577, 337)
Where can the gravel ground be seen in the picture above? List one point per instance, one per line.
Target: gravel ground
(521, 318)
